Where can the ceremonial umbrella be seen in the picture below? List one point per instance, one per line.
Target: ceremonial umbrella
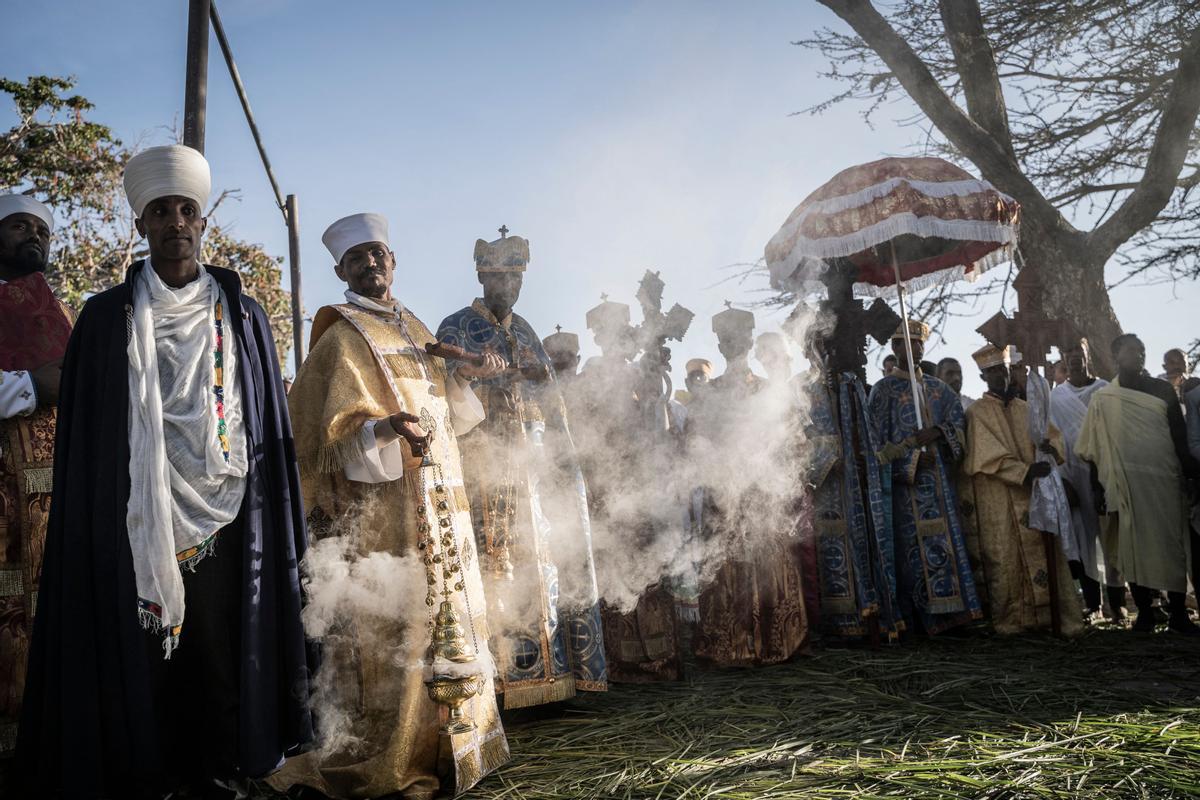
(902, 224)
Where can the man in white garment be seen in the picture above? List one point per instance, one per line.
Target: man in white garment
(1068, 407)
(168, 651)
(1049, 505)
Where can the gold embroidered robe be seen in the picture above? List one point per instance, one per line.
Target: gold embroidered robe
(364, 367)
(1013, 556)
(26, 478)
(752, 612)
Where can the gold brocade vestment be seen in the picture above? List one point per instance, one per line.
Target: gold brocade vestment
(641, 644)
(752, 612)
(363, 367)
(26, 477)
(1013, 556)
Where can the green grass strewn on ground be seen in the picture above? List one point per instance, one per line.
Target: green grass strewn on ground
(1114, 714)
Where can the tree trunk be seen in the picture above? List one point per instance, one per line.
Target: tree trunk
(1074, 289)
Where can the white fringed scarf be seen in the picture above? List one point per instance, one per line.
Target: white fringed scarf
(187, 478)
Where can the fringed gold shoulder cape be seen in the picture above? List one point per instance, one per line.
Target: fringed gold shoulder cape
(366, 366)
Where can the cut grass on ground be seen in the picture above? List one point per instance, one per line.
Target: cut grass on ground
(1114, 714)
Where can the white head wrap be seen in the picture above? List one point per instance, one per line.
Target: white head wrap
(164, 171)
(354, 230)
(23, 204)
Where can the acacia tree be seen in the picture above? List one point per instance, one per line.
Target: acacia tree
(55, 154)
(1083, 110)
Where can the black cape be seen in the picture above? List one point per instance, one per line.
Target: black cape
(88, 720)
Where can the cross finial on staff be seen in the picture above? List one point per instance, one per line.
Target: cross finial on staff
(603, 297)
(729, 304)
(558, 328)
(503, 231)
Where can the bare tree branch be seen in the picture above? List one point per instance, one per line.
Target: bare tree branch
(971, 139)
(1166, 158)
(977, 68)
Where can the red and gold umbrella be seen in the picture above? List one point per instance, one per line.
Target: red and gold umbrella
(903, 223)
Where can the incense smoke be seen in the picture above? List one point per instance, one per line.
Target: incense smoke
(364, 609)
(653, 494)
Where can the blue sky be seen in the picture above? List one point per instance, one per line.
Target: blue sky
(615, 136)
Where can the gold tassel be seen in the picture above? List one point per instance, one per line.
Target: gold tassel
(531, 693)
(333, 457)
(40, 479)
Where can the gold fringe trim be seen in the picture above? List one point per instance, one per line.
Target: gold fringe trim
(334, 457)
(535, 693)
(477, 761)
(39, 479)
(495, 754)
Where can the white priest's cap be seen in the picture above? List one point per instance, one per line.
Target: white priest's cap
(164, 171)
(354, 230)
(24, 204)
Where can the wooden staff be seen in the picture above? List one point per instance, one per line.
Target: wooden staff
(534, 372)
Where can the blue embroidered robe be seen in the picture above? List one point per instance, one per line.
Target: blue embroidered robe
(934, 579)
(529, 505)
(853, 512)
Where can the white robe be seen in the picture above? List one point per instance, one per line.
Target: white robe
(1049, 509)
(1068, 407)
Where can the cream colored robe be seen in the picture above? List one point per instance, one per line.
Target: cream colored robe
(1125, 434)
(364, 367)
(999, 454)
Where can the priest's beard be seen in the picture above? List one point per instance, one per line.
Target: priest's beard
(25, 261)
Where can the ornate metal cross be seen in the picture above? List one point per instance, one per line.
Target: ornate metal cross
(845, 347)
(1029, 329)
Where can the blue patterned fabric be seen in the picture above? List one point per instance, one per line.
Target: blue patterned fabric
(853, 512)
(558, 641)
(934, 579)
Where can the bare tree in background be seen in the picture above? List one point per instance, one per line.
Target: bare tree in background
(59, 156)
(1083, 110)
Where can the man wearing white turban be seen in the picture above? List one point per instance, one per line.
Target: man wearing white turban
(34, 328)
(168, 648)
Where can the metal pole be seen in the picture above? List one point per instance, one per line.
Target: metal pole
(293, 223)
(219, 30)
(912, 368)
(195, 91)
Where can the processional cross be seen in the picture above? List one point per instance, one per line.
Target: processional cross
(1029, 329)
(652, 336)
(845, 347)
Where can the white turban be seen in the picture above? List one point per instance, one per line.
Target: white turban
(354, 230)
(23, 204)
(165, 171)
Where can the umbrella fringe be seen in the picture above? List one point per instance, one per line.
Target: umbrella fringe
(968, 273)
(967, 230)
(907, 223)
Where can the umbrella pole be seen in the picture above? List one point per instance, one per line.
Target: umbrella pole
(912, 368)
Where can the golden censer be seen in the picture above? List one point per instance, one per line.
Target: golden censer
(455, 676)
